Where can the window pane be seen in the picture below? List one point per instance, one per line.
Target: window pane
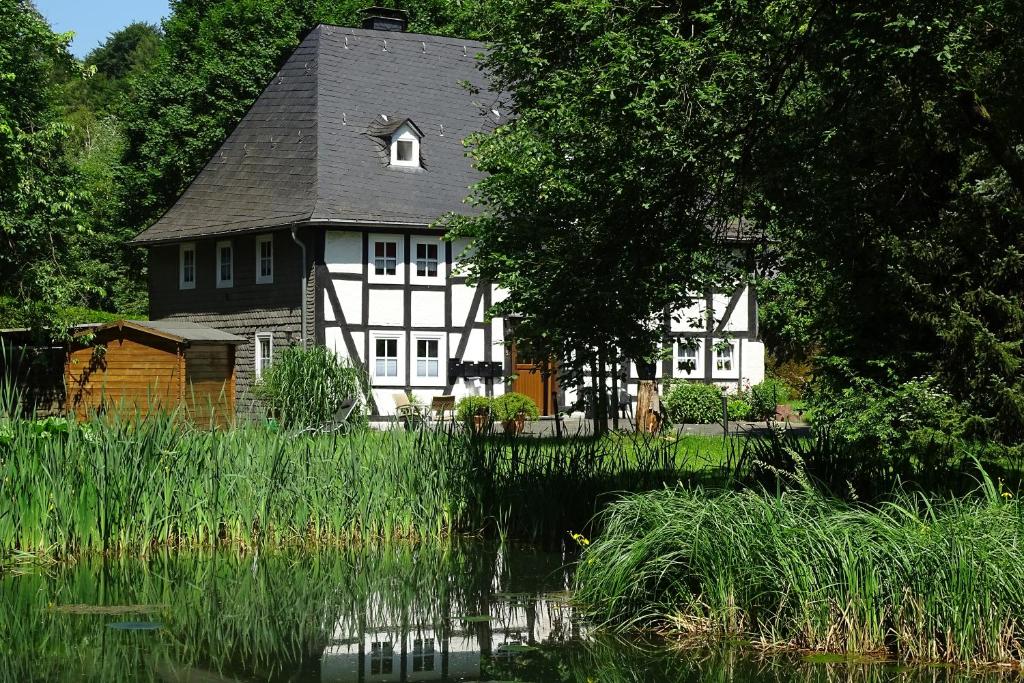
(431, 368)
(392, 249)
(392, 347)
(405, 150)
(421, 368)
(380, 368)
(382, 347)
(378, 249)
(431, 348)
(392, 368)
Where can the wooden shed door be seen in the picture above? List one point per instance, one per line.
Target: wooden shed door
(530, 381)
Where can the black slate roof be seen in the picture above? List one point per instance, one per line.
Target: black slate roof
(310, 148)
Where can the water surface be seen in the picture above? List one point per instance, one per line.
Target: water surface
(469, 612)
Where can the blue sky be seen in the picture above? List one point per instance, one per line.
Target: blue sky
(94, 20)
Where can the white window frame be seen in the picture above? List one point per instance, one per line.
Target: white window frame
(258, 356)
(182, 249)
(262, 279)
(222, 282)
(679, 358)
(721, 360)
(416, 358)
(399, 276)
(399, 377)
(414, 275)
(405, 134)
(423, 659)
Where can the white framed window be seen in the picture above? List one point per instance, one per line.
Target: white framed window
(264, 352)
(225, 264)
(427, 258)
(423, 654)
(187, 265)
(385, 257)
(724, 356)
(405, 147)
(385, 357)
(428, 357)
(382, 655)
(264, 259)
(687, 357)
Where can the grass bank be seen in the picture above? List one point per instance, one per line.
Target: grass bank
(913, 579)
(130, 486)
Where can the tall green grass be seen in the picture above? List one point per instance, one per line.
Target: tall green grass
(915, 578)
(129, 485)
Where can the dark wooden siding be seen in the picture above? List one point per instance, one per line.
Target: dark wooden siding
(124, 368)
(243, 309)
(209, 383)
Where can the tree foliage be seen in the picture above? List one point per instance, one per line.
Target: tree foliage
(610, 185)
(39, 193)
(877, 144)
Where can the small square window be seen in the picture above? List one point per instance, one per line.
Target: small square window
(385, 258)
(386, 358)
(426, 260)
(427, 360)
(686, 356)
(404, 151)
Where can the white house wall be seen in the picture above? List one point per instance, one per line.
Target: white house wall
(356, 306)
(734, 323)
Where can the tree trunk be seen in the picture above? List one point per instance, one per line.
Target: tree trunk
(600, 396)
(985, 129)
(615, 393)
(648, 407)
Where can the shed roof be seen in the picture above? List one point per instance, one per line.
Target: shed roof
(175, 330)
(309, 149)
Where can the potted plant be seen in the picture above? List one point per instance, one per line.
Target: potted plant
(475, 412)
(513, 410)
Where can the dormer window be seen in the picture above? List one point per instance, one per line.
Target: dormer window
(405, 146)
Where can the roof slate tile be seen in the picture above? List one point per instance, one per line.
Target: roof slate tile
(305, 150)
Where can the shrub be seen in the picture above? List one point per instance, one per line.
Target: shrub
(305, 387)
(469, 406)
(764, 398)
(692, 403)
(509, 406)
(739, 409)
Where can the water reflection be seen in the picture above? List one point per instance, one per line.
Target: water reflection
(453, 648)
(464, 612)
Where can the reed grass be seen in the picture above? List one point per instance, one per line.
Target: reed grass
(128, 485)
(914, 578)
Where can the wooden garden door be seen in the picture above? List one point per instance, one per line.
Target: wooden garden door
(530, 381)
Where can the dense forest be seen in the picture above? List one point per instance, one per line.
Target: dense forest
(878, 149)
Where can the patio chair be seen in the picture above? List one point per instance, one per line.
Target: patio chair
(441, 406)
(409, 414)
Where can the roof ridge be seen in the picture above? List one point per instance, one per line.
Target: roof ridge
(402, 35)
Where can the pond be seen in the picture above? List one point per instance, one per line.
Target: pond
(470, 611)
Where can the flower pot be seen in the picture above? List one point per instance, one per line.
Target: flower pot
(514, 426)
(480, 423)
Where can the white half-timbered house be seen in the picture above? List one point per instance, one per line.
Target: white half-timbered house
(313, 223)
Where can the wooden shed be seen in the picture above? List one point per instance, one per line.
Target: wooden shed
(149, 366)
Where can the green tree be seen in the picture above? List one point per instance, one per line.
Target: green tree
(610, 187)
(39, 192)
